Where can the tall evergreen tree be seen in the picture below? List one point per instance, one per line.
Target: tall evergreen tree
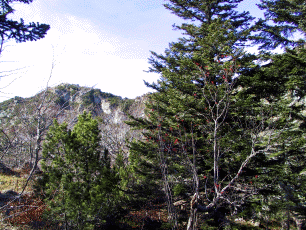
(190, 124)
(278, 85)
(78, 182)
(224, 126)
(281, 83)
(287, 17)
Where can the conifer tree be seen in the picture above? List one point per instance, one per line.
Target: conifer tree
(221, 120)
(78, 182)
(189, 126)
(281, 82)
(19, 31)
(287, 17)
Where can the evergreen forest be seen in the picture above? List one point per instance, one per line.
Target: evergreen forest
(220, 144)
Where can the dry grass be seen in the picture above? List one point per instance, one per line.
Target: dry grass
(23, 211)
(15, 180)
(140, 215)
(9, 182)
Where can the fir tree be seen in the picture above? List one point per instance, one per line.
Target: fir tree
(19, 31)
(189, 126)
(78, 182)
(288, 17)
(222, 121)
(280, 83)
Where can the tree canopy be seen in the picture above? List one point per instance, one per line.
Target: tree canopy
(79, 184)
(222, 124)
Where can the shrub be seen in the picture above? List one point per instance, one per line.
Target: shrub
(78, 181)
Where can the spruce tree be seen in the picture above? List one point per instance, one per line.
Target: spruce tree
(78, 182)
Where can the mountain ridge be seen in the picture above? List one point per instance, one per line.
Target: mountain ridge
(21, 119)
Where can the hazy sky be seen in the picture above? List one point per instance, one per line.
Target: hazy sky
(100, 43)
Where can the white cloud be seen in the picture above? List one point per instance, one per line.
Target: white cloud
(83, 53)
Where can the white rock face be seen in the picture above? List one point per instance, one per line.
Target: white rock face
(106, 107)
(118, 117)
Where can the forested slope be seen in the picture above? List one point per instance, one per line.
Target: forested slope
(219, 145)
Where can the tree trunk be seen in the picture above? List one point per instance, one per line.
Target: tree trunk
(192, 221)
(36, 150)
(172, 217)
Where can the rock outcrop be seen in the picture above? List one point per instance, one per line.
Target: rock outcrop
(18, 118)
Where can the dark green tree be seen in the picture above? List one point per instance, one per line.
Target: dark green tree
(78, 182)
(222, 123)
(19, 31)
(191, 126)
(283, 19)
(281, 84)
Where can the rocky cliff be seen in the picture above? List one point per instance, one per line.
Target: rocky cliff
(21, 119)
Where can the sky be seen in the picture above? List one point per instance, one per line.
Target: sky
(103, 44)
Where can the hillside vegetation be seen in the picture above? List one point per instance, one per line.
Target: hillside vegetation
(219, 145)
(19, 118)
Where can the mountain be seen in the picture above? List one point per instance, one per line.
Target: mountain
(23, 120)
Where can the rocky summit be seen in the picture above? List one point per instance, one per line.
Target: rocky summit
(22, 118)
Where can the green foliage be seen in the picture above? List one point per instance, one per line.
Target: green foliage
(281, 83)
(207, 226)
(185, 125)
(19, 31)
(165, 226)
(219, 109)
(126, 104)
(89, 97)
(6, 104)
(68, 87)
(78, 182)
(179, 189)
(288, 17)
(124, 172)
(60, 101)
(61, 87)
(114, 101)
(107, 95)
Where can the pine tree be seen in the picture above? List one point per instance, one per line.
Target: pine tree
(19, 31)
(78, 182)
